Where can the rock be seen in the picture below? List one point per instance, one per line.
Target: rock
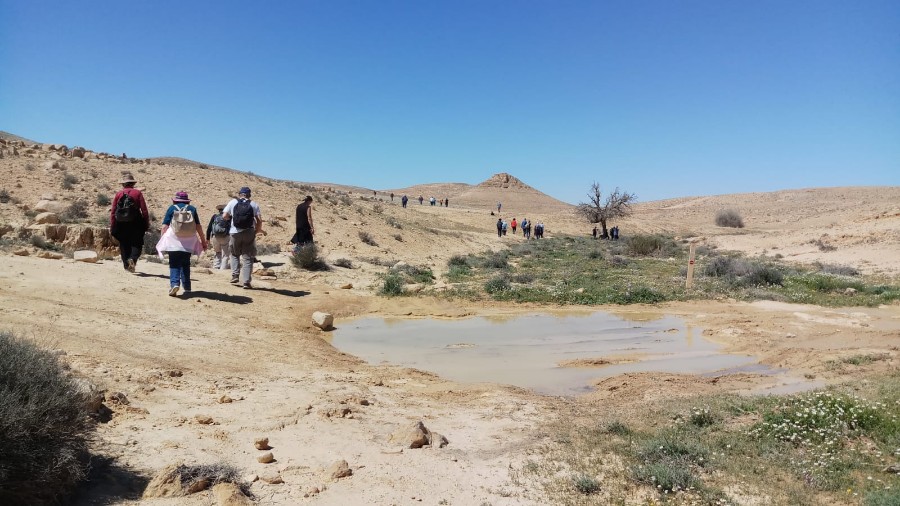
(324, 321)
(415, 287)
(49, 196)
(417, 436)
(271, 478)
(21, 252)
(266, 458)
(78, 152)
(790, 336)
(261, 443)
(203, 419)
(5, 229)
(850, 291)
(50, 255)
(264, 272)
(311, 491)
(229, 494)
(225, 400)
(347, 286)
(400, 265)
(338, 412)
(174, 373)
(893, 469)
(166, 483)
(338, 470)
(47, 217)
(53, 232)
(117, 398)
(86, 256)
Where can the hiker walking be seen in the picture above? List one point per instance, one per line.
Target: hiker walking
(404, 200)
(421, 199)
(305, 228)
(539, 230)
(217, 237)
(181, 236)
(615, 233)
(446, 202)
(128, 220)
(499, 205)
(514, 224)
(594, 233)
(526, 228)
(392, 196)
(246, 222)
(505, 225)
(499, 227)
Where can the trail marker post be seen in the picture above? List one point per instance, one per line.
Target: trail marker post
(689, 282)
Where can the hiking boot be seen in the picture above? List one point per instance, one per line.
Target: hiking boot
(247, 286)
(130, 266)
(173, 291)
(235, 280)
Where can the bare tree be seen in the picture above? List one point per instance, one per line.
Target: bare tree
(599, 210)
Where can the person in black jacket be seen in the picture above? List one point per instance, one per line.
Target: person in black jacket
(305, 227)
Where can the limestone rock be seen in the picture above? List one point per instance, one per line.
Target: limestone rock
(311, 491)
(78, 152)
(203, 419)
(117, 398)
(271, 478)
(850, 291)
(417, 436)
(50, 255)
(225, 400)
(47, 217)
(322, 320)
(261, 443)
(347, 286)
(166, 483)
(86, 256)
(338, 470)
(92, 395)
(266, 458)
(229, 494)
(21, 252)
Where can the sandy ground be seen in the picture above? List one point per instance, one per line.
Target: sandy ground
(175, 358)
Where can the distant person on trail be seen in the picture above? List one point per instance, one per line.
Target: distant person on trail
(246, 222)
(305, 228)
(181, 236)
(499, 227)
(431, 201)
(217, 237)
(615, 233)
(499, 205)
(128, 221)
(446, 202)
(514, 224)
(505, 225)
(525, 227)
(594, 233)
(539, 230)
(404, 200)
(421, 199)
(392, 196)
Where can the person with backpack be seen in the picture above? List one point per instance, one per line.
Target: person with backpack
(526, 228)
(514, 224)
(499, 227)
(217, 236)
(246, 222)
(181, 236)
(404, 200)
(305, 228)
(128, 221)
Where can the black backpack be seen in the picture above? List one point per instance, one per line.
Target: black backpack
(242, 215)
(220, 226)
(127, 209)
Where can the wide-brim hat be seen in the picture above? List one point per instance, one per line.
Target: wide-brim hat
(127, 178)
(181, 197)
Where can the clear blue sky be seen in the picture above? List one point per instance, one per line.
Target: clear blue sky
(662, 98)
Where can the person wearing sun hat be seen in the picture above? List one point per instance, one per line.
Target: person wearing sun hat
(128, 221)
(181, 236)
(217, 236)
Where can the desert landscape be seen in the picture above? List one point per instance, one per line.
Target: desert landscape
(202, 379)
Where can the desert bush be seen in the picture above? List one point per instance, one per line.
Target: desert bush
(497, 284)
(585, 484)
(458, 272)
(393, 285)
(344, 263)
(344, 199)
(650, 245)
(103, 199)
(39, 241)
(366, 238)
(68, 181)
(398, 237)
(44, 427)
(29, 167)
(414, 273)
(77, 210)
(884, 497)
(838, 270)
(495, 261)
(384, 262)
(458, 260)
(763, 275)
(307, 257)
(203, 166)
(616, 427)
(729, 218)
(268, 248)
(618, 261)
(378, 208)
(393, 222)
(522, 278)
(4, 196)
(825, 283)
(150, 240)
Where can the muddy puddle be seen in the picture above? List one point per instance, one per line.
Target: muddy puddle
(548, 353)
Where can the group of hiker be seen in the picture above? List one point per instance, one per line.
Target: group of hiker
(431, 200)
(231, 233)
(612, 234)
(525, 225)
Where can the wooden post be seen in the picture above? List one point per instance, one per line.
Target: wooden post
(690, 272)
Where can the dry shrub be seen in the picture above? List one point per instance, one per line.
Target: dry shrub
(729, 218)
(367, 238)
(307, 257)
(44, 427)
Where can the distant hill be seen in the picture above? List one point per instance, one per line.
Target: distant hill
(12, 137)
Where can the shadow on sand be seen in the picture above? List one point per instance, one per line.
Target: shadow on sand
(109, 482)
(282, 291)
(222, 297)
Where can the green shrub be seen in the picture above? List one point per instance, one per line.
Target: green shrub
(393, 285)
(890, 497)
(497, 284)
(103, 199)
(496, 261)
(827, 283)
(837, 270)
(44, 427)
(763, 275)
(414, 273)
(307, 257)
(458, 272)
(585, 484)
(729, 218)
(650, 245)
(667, 475)
(458, 260)
(616, 427)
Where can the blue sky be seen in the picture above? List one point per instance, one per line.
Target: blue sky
(663, 99)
